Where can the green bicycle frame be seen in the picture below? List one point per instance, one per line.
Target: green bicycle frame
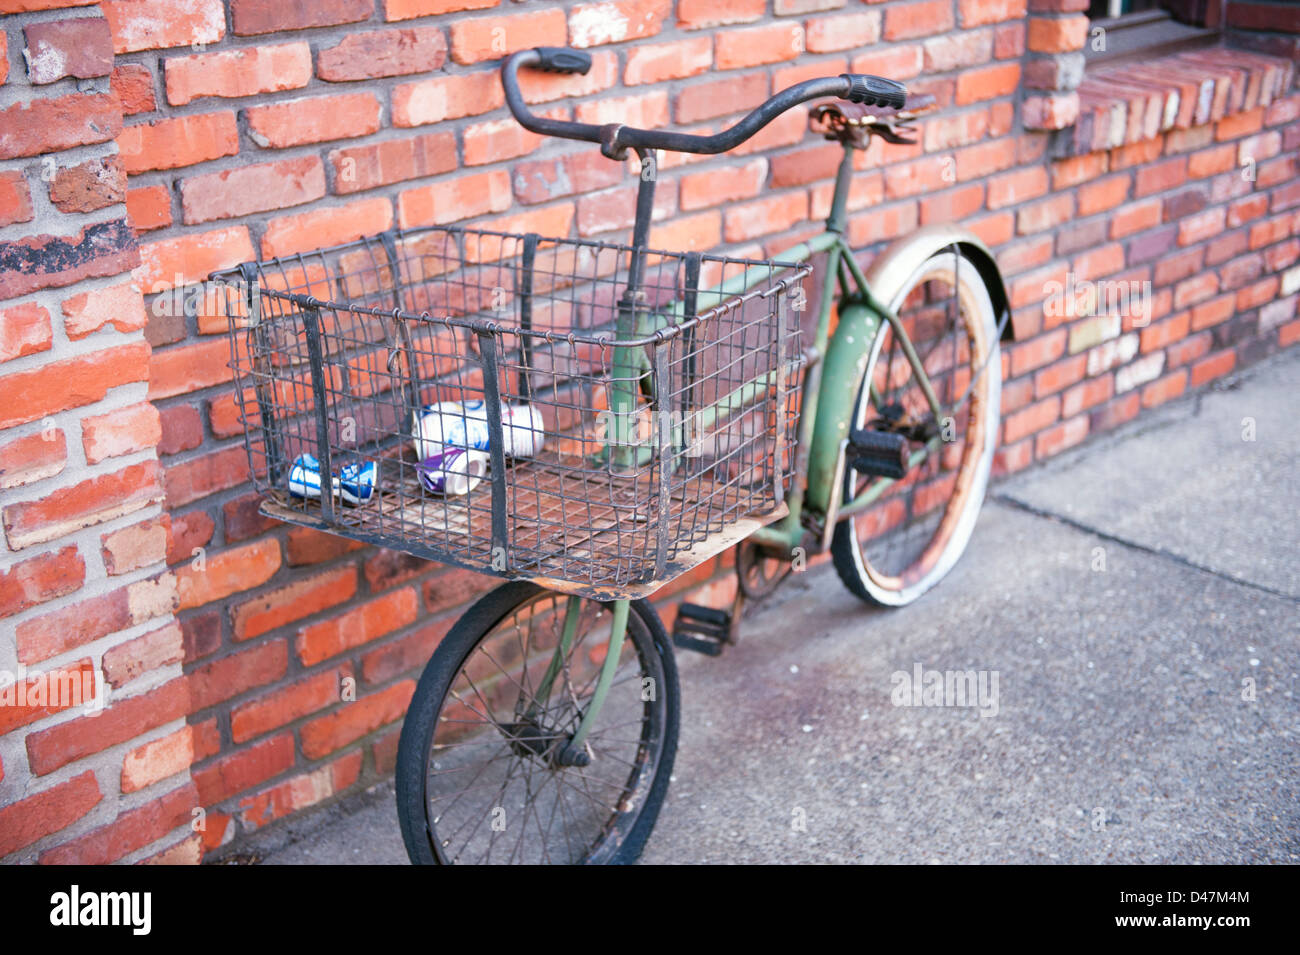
(821, 429)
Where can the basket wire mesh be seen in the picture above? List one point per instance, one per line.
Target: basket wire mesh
(626, 404)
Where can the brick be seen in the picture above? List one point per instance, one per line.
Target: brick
(754, 46)
(615, 208)
(1134, 217)
(41, 695)
(313, 120)
(300, 792)
(176, 371)
(928, 174)
(132, 84)
(24, 330)
(198, 477)
(1139, 372)
(52, 261)
(135, 547)
(1216, 366)
(541, 87)
(576, 173)
(248, 189)
(121, 720)
(408, 654)
(380, 164)
(57, 49)
(202, 635)
(918, 18)
(162, 24)
(615, 21)
(954, 205)
(1086, 395)
(644, 111)
(324, 227)
(120, 306)
(32, 458)
(387, 568)
(990, 82)
(850, 31)
(143, 654)
(896, 63)
(1054, 111)
(491, 38)
(130, 831)
(1213, 312)
(1045, 214)
(15, 198)
(253, 17)
(409, 9)
(721, 97)
(329, 733)
(243, 769)
(119, 432)
(498, 140)
(764, 216)
(46, 812)
(92, 501)
(1058, 35)
(1058, 438)
(704, 14)
(235, 73)
(1031, 420)
(229, 572)
(454, 587)
(888, 222)
(1015, 187)
(28, 583)
(677, 60)
(305, 546)
(286, 704)
(149, 207)
(364, 56)
(237, 673)
(982, 159)
(182, 141)
(1199, 227)
(361, 624)
(957, 50)
(446, 97)
(1037, 352)
(31, 127)
(89, 186)
(75, 625)
(1160, 177)
(974, 13)
(724, 185)
(169, 755)
(302, 598)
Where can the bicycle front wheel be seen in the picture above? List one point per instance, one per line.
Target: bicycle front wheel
(919, 525)
(481, 771)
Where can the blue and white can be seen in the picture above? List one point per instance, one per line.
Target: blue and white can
(452, 471)
(354, 484)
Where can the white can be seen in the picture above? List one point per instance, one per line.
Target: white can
(457, 424)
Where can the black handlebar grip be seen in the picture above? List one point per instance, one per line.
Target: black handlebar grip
(560, 59)
(874, 91)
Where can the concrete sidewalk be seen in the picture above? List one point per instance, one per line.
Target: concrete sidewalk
(1127, 595)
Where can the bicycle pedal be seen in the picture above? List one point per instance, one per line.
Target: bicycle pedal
(702, 629)
(882, 453)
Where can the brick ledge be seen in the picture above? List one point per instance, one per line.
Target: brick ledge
(1131, 103)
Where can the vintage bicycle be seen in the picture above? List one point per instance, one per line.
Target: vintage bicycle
(592, 420)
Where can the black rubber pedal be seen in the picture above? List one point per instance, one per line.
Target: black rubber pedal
(702, 629)
(882, 453)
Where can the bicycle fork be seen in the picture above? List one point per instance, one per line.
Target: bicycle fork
(574, 752)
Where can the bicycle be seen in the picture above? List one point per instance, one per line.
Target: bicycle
(674, 411)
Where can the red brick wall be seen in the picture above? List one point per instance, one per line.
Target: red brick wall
(256, 128)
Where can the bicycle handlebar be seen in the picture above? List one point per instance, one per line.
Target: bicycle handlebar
(615, 139)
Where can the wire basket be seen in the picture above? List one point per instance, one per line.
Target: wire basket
(574, 411)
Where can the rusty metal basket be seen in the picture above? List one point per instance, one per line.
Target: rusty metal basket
(664, 403)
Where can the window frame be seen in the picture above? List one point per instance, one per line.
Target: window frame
(1149, 33)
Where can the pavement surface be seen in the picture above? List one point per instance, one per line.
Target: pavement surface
(1138, 600)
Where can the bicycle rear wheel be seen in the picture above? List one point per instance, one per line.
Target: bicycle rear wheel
(479, 776)
(919, 526)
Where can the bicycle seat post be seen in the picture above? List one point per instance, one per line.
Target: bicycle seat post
(623, 399)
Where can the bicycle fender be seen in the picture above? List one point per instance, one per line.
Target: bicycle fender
(847, 355)
(904, 256)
